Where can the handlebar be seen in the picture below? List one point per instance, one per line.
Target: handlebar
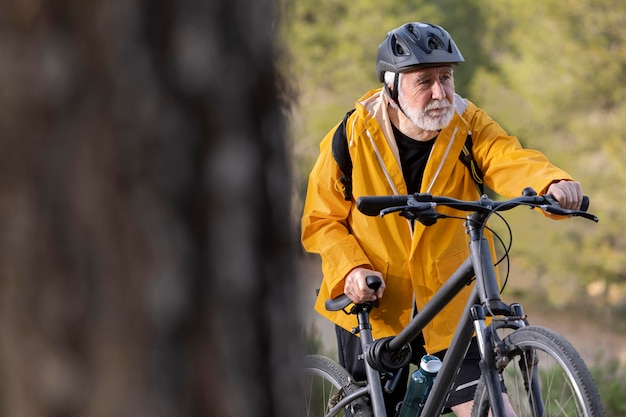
(343, 301)
(421, 205)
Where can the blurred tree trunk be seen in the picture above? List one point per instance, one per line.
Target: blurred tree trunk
(145, 248)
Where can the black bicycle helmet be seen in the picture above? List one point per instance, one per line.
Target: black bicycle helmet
(414, 45)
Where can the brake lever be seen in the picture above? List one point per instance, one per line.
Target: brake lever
(566, 212)
(410, 208)
(554, 208)
(390, 210)
(422, 212)
(586, 215)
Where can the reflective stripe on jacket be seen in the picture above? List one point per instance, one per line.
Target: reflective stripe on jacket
(414, 261)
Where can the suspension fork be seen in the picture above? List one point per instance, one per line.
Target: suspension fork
(495, 354)
(488, 367)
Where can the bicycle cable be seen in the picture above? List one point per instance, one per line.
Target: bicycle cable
(497, 237)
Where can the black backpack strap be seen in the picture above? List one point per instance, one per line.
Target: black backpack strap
(467, 157)
(341, 154)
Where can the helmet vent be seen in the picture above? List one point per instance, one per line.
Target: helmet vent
(399, 49)
(434, 42)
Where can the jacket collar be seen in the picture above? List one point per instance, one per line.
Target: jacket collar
(373, 108)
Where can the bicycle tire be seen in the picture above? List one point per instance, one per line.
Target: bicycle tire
(566, 386)
(326, 381)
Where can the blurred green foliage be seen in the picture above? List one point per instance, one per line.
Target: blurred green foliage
(552, 73)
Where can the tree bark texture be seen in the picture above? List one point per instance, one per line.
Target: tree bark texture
(145, 248)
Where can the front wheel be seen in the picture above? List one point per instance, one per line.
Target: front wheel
(544, 376)
(325, 383)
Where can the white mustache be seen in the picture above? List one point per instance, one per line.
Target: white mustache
(436, 105)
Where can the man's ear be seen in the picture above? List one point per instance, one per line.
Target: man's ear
(392, 89)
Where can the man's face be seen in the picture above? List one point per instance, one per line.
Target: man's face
(427, 97)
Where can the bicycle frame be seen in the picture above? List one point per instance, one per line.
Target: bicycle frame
(484, 301)
(485, 293)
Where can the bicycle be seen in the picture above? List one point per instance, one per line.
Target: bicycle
(542, 372)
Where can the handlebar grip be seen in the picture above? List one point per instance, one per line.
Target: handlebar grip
(373, 205)
(373, 281)
(584, 206)
(343, 301)
(338, 303)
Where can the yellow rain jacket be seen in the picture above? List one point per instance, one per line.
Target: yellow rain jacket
(414, 262)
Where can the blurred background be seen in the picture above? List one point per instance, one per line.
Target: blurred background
(552, 73)
(153, 161)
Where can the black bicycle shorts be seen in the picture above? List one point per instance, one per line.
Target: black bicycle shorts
(467, 379)
(350, 357)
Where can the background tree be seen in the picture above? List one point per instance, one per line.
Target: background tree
(145, 264)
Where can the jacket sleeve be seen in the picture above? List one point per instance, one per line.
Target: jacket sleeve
(508, 167)
(325, 222)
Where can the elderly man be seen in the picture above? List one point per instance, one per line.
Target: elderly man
(406, 137)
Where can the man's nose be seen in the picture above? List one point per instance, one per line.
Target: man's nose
(438, 93)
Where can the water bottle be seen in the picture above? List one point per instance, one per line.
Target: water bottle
(419, 386)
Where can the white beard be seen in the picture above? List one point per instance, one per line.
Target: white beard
(426, 120)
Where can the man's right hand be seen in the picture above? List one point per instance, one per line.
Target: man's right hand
(356, 287)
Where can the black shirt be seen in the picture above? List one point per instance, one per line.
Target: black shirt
(413, 157)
